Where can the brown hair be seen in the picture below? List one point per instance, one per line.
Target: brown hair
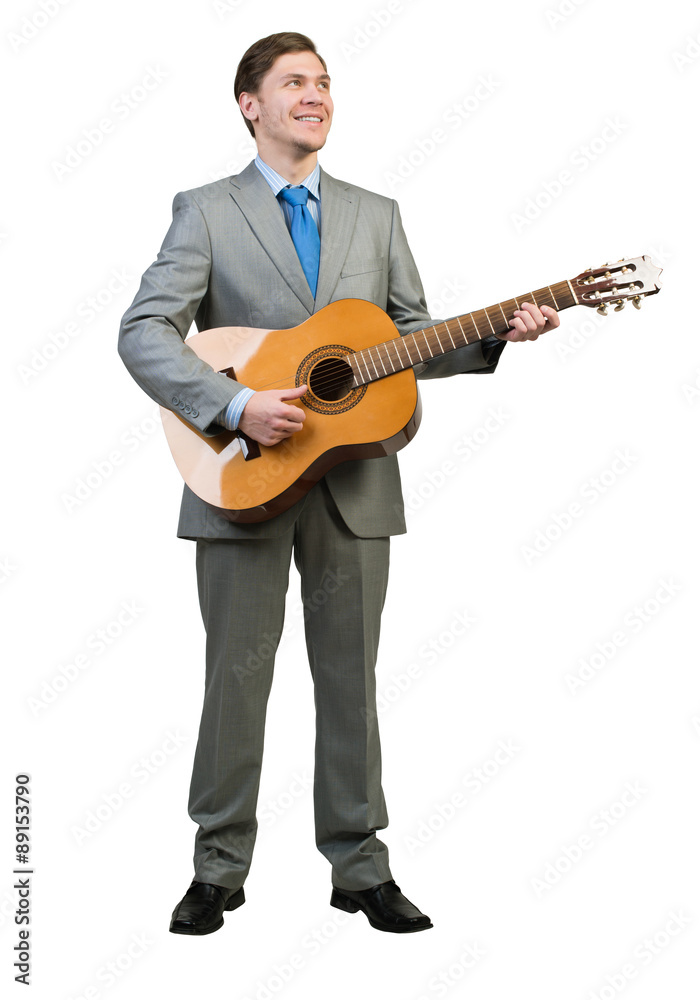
(258, 60)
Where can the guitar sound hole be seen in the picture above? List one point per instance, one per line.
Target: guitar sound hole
(331, 379)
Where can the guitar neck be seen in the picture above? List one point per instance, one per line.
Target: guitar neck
(404, 352)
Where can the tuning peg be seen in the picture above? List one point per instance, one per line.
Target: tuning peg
(637, 302)
(620, 305)
(602, 309)
(608, 274)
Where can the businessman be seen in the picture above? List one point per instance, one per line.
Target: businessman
(266, 249)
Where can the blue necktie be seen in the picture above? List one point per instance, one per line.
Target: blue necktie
(304, 233)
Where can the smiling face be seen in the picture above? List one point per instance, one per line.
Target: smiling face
(292, 111)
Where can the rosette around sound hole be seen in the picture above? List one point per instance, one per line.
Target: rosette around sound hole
(330, 380)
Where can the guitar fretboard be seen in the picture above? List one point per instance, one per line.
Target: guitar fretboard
(404, 352)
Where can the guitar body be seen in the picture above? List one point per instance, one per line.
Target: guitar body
(362, 400)
(342, 422)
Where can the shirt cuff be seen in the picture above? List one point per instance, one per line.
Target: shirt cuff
(231, 414)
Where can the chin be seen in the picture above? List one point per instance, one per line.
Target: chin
(311, 147)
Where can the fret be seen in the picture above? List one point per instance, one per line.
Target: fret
(377, 357)
(396, 355)
(374, 364)
(415, 344)
(449, 333)
(441, 340)
(386, 360)
(515, 306)
(498, 323)
(402, 341)
(354, 368)
(361, 356)
(391, 344)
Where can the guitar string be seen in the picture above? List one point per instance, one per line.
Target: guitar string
(334, 381)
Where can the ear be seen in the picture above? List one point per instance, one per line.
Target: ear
(248, 104)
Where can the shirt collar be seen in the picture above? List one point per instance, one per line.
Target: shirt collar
(277, 182)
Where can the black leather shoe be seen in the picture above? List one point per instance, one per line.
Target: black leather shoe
(201, 909)
(385, 907)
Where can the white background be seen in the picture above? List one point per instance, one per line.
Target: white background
(107, 726)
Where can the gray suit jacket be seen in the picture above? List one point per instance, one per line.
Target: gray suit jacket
(228, 260)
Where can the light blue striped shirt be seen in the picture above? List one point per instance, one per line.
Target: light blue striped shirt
(230, 416)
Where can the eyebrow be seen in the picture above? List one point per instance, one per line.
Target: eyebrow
(295, 76)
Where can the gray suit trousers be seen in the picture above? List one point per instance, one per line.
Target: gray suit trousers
(242, 587)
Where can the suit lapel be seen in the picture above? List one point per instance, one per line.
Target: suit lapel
(338, 213)
(255, 199)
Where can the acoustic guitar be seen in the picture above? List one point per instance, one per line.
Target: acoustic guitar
(362, 400)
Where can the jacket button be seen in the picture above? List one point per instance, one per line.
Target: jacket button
(175, 401)
(195, 413)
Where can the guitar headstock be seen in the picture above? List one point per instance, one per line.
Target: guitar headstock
(615, 283)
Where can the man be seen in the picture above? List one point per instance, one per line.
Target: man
(244, 251)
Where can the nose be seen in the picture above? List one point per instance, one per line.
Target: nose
(311, 94)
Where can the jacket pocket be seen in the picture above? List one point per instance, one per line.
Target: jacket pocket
(361, 265)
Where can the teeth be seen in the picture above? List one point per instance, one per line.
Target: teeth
(309, 118)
